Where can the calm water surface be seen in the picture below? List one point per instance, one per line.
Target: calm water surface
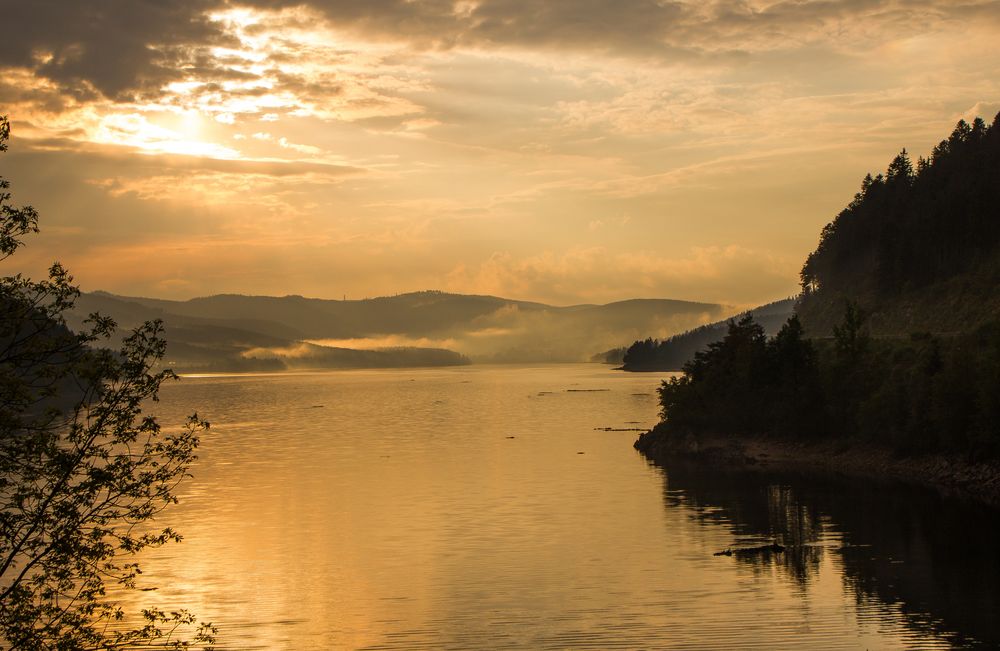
(483, 507)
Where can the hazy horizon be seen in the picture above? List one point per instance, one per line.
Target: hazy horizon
(515, 299)
(239, 327)
(557, 153)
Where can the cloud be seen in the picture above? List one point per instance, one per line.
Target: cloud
(206, 64)
(706, 273)
(675, 31)
(556, 74)
(138, 160)
(515, 332)
(114, 48)
(392, 145)
(123, 49)
(386, 341)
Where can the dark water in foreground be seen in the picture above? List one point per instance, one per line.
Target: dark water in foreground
(480, 507)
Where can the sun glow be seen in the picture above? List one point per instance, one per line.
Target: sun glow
(184, 137)
(282, 66)
(573, 154)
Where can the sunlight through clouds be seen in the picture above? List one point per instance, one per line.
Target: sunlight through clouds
(135, 130)
(460, 131)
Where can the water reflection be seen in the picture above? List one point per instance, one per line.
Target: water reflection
(897, 547)
(453, 509)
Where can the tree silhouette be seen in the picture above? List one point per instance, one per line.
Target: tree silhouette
(912, 392)
(83, 471)
(911, 228)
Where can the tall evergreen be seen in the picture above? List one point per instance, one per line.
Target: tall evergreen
(912, 234)
(913, 226)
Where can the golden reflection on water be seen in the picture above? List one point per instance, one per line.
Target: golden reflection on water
(480, 507)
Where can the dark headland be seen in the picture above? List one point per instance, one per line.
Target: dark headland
(890, 364)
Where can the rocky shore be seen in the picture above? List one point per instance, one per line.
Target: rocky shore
(949, 473)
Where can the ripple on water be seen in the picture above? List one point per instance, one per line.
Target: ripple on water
(400, 515)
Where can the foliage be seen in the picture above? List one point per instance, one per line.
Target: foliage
(612, 356)
(746, 383)
(642, 353)
(672, 353)
(83, 471)
(907, 238)
(923, 393)
(909, 227)
(919, 394)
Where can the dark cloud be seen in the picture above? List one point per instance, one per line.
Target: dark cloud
(306, 89)
(643, 24)
(634, 27)
(670, 29)
(115, 48)
(125, 48)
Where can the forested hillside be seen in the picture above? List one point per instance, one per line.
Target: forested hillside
(918, 248)
(672, 353)
(914, 258)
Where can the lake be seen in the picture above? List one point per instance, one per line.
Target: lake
(489, 507)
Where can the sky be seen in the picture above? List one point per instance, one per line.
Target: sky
(568, 151)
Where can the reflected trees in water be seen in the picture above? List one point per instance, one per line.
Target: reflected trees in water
(903, 546)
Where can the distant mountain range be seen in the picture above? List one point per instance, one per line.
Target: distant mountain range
(234, 332)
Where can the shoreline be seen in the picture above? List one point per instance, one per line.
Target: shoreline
(949, 474)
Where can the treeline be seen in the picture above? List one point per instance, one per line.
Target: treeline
(922, 394)
(917, 249)
(672, 353)
(915, 225)
(612, 356)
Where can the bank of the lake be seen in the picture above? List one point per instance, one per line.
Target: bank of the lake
(950, 473)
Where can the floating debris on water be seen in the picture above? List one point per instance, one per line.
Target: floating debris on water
(773, 548)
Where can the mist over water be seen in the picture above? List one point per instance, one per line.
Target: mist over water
(488, 507)
(234, 333)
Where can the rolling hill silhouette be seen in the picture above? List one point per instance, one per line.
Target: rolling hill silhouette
(237, 332)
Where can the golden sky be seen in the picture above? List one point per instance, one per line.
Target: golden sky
(564, 151)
